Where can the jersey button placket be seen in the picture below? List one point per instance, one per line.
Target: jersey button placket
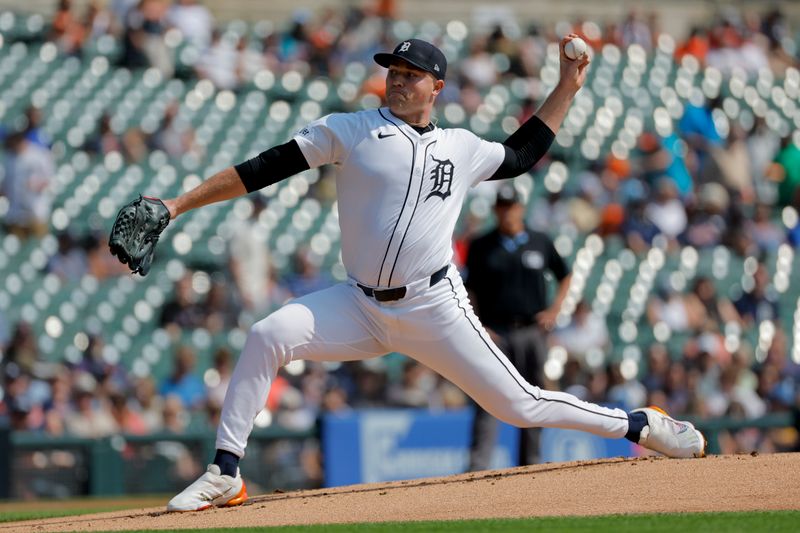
(418, 174)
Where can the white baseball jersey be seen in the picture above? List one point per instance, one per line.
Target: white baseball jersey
(400, 192)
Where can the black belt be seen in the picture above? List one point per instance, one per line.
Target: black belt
(396, 293)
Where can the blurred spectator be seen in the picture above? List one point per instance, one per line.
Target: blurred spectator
(218, 63)
(182, 312)
(183, 383)
(666, 156)
(677, 389)
(730, 395)
(128, 421)
(470, 96)
(119, 10)
(193, 20)
(70, 262)
(34, 131)
(672, 308)
(220, 313)
(60, 403)
(335, 400)
(762, 146)
(100, 19)
(635, 30)
(22, 349)
(697, 126)
(306, 276)
(695, 45)
(478, 67)
(785, 170)
(91, 417)
(134, 145)
(584, 207)
(711, 310)
(471, 227)
(586, 331)
(143, 37)
(550, 211)
(249, 62)
(149, 404)
(100, 364)
(658, 361)
(292, 411)
(637, 229)
(5, 332)
(532, 51)
(415, 388)
(666, 211)
(248, 258)
(293, 46)
(175, 416)
(175, 136)
(708, 220)
(682, 163)
(101, 264)
(766, 234)
(731, 47)
(29, 169)
(729, 165)
(760, 302)
(370, 381)
(18, 411)
(218, 377)
(26, 396)
(612, 386)
(500, 45)
(68, 31)
(104, 141)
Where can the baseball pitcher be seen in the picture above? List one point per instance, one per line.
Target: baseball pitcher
(401, 182)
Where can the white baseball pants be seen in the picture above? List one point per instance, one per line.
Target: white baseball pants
(434, 325)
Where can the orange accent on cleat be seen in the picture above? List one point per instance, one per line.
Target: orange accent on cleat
(239, 498)
(660, 410)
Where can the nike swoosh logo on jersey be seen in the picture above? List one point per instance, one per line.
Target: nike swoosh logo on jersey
(384, 135)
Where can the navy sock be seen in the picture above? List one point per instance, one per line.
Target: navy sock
(227, 462)
(636, 423)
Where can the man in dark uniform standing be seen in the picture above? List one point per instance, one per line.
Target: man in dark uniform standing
(507, 272)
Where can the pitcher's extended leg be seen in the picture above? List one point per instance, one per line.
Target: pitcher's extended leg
(454, 344)
(467, 356)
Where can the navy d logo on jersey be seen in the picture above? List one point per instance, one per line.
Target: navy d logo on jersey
(442, 177)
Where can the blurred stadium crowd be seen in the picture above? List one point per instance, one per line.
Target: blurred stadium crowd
(691, 215)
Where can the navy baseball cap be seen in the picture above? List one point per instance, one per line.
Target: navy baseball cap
(419, 53)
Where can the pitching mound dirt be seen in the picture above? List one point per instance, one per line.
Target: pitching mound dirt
(645, 485)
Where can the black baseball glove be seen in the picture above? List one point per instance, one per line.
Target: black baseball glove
(136, 230)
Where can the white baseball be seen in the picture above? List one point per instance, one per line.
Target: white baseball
(575, 48)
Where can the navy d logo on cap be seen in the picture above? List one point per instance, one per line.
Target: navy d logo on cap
(419, 53)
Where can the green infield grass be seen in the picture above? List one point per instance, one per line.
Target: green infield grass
(717, 522)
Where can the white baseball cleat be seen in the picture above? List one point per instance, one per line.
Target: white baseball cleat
(671, 437)
(212, 488)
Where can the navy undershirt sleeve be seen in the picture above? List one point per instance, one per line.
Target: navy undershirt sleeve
(524, 148)
(272, 166)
